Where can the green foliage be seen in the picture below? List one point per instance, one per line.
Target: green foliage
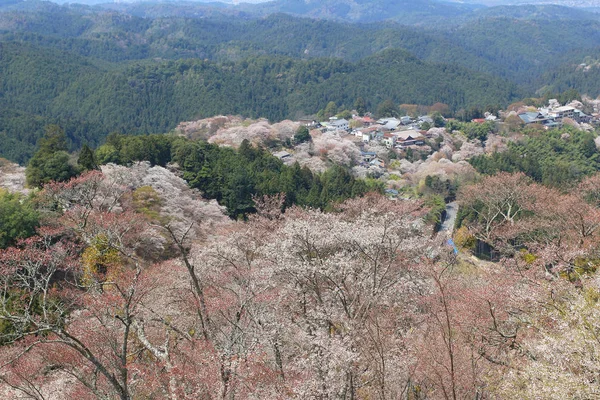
(472, 130)
(438, 120)
(437, 206)
(555, 158)
(86, 159)
(18, 218)
(345, 114)
(233, 177)
(154, 96)
(387, 108)
(360, 106)
(107, 153)
(464, 239)
(302, 135)
(122, 149)
(51, 161)
(147, 201)
(329, 111)
(444, 188)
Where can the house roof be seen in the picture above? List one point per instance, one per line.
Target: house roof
(529, 117)
(392, 124)
(282, 154)
(369, 129)
(551, 123)
(339, 122)
(564, 109)
(410, 135)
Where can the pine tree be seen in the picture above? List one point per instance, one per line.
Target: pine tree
(87, 160)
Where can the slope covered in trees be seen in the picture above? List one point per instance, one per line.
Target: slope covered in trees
(236, 178)
(89, 100)
(557, 158)
(358, 301)
(488, 43)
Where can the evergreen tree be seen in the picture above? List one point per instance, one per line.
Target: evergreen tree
(51, 161)
(87, 160)
(18, 219)
(360, 106)
(387, 109)
(302, 135)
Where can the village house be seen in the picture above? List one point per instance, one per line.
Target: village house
(337, 125)
(563, 112)
(406, 139)
(282, 155)
(309, 123)
(389, 140)
(377, 162)
(366, 120)
(406, 120)
(393, 193)
(537, 117)
(553, 115)
(424, 119)
(368, 156)
(390, 124)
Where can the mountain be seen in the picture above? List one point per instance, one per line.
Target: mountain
(517, 49)
(583, 75)
(95, 70)
(44, 86)
(546, 12)
(405, 11)
(566, 3)
(522, 50)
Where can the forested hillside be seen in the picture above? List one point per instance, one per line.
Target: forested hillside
(154, 96)
(94, 71)
(501, 45)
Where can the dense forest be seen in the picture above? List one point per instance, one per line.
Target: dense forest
(90, 101)
(558, 158)
(94, 71)
(235, 178)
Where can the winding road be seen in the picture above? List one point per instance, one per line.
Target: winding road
(448, 224)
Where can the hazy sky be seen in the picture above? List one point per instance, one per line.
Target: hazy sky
(570, 3)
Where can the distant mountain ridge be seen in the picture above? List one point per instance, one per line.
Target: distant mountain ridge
(368, 10)
(433, 14)
(566, 3)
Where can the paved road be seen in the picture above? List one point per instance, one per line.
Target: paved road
(448, 224)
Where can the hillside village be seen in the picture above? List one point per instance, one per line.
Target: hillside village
(554, 115)
(400, 152)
